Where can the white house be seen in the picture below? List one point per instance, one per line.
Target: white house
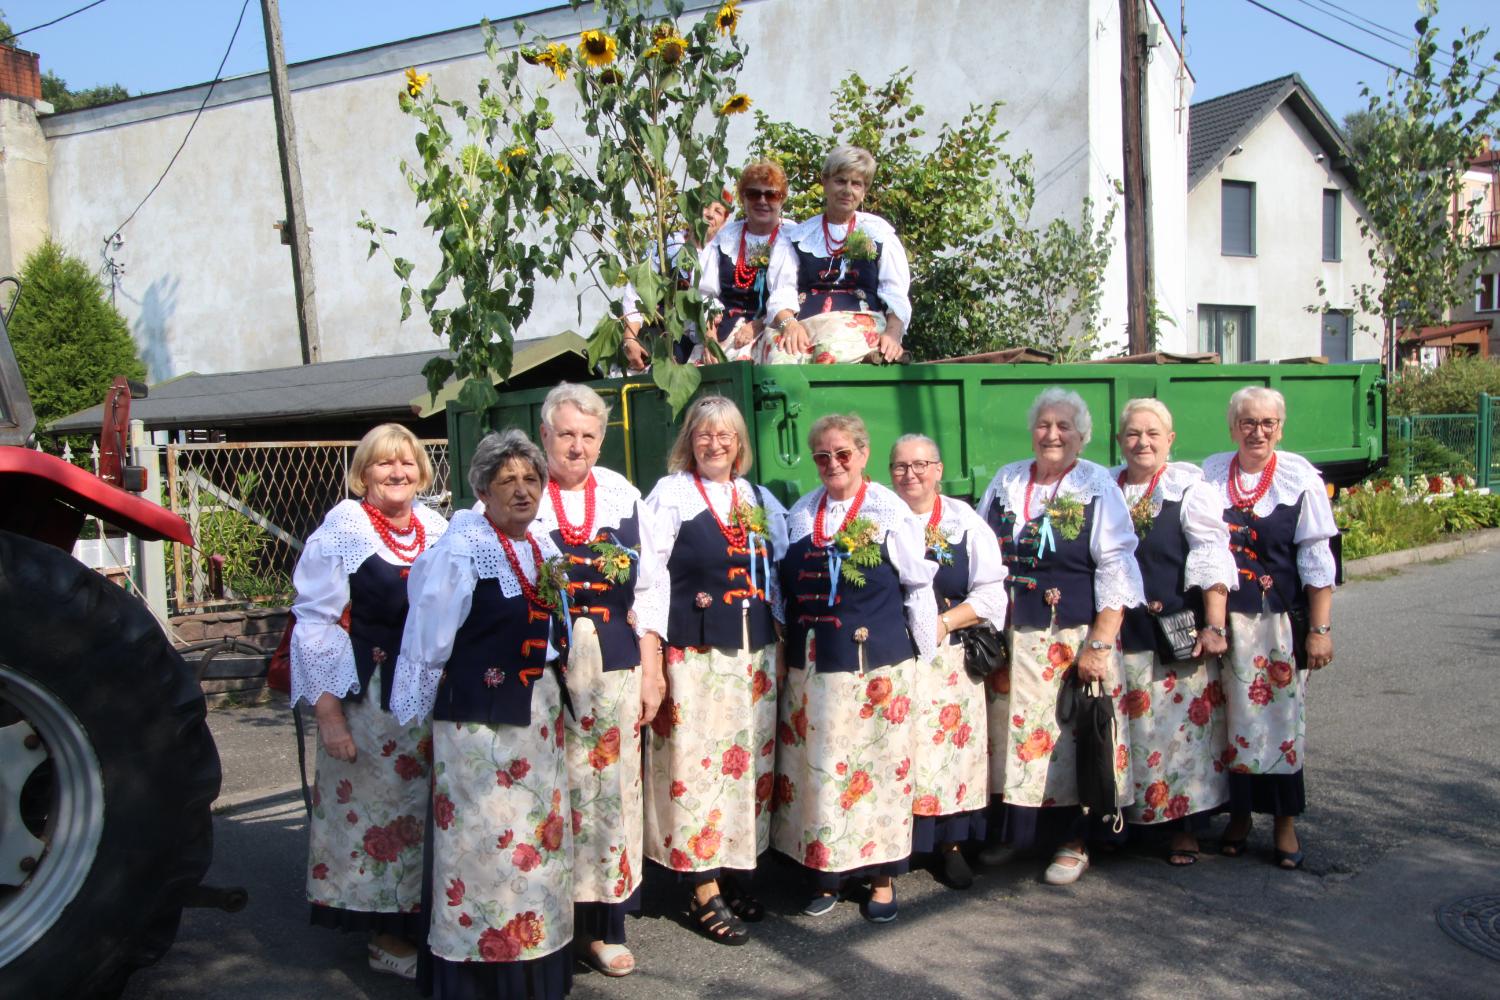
(1271, 211)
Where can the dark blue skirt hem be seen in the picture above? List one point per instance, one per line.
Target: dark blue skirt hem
(411, 926)
(604, 921)
(1274, 794)
(547, 978)
(928, 833)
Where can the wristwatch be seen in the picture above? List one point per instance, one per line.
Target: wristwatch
(1100, 644)
(1319, 629)
(1218, 630)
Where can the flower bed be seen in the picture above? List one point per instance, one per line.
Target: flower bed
(1388, 515)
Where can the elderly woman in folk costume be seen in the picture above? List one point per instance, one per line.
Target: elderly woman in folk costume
(951, 759)
(853, 280)
(616, 598)
(861, 615)
(637, 353)
(1070, 547)
(476, 656)
(750, 263)
(720, 537)
(365, 833)
(1175, 702)
(1280, 521)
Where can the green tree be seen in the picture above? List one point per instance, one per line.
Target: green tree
(1358, 126)
(511, 200)
(1418, 223)
(69, 341)
(55, 91)
(983, 277)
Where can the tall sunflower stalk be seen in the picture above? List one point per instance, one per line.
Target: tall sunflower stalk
(515, 196)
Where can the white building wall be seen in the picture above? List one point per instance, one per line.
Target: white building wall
(207, 286)
(1280, 157)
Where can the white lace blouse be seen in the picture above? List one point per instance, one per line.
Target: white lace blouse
(987, 570)
(895, 273)
(1295, 477)
(781, 273)
(321, 653)
(1209, 561)
(1112, 539)
(904, 542)
(441, 591)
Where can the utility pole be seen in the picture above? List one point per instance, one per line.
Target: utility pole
(1137, 255)
(291, 183)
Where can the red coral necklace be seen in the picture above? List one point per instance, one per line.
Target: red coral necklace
(836, 249)
(581, 534)
(1150, 488)
(389, 533)
(733, 534)
(1031, 484)
(744, 274)
(527, 587)
(1237, 496)
(937, 512)
(821, 539)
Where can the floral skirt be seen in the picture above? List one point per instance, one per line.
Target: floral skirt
(604, 772)
(1264, 697)
(502, 886)
(1040, 758)
(710, 760)
(950, 756)
(1176, 713)
(365, 836)
(837, 338)
(843, 767)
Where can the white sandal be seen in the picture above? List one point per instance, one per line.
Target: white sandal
(397, 965)
(603, 960)
(1061, 874)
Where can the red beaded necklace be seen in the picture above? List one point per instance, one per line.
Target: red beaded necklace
(1238, 498)
(527, 587)
(388, 532)
(744, 274)
(1150, 488)
(583, 533)
(733, 534)
(819, 538)
(836, 250)
(937, 512)
(1031, 482)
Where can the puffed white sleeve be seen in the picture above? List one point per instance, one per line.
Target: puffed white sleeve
(987, 574)
(907, 545)
(322, 655)
(1315, 526)
(781, 280)
(1209, 561)
(440, 591)
(895, 279)
(653, 587)
(1112, 542)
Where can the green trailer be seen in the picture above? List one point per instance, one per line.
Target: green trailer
(975, 412)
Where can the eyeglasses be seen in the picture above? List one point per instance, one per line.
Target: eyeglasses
(713, 437)
(826, 458)
(1265, 426)
(762, 194)
(915, 468)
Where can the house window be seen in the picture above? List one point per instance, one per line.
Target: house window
(1331, 225)
(1487, 299)
(1238, 219)
(1337, 334)
(1228, 331)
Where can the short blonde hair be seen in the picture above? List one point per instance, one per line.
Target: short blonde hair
(850, 160)
(917, 439)
(1255, 394)
(707, 410)
(386, 441)
(1146, 404)
(850, 423)
(1057, 396)
(587, 401)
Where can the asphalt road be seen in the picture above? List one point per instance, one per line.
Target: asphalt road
(1404, 793)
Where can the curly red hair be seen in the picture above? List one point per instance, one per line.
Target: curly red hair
(764, 173)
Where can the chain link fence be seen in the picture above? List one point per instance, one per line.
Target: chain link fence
(251, 507)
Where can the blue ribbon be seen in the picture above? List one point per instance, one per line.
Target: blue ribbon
(1045, 536)
(836, 557)
(567, 615)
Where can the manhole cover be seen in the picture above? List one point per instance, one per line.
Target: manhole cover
(1474, 922)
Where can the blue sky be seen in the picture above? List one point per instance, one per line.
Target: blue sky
(151, 45)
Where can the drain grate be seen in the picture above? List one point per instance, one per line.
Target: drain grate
(1474, 922)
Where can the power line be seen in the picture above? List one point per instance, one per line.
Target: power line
(1392, 32)
(55, 20)
(192, 125)
(1328, 38)
(1399, 43)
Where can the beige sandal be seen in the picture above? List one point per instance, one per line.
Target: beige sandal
(602, 959)
(404, 966)
(1060, 874)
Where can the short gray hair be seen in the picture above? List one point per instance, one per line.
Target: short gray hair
(1147, 404)
(916, 439)
(588, 402)
(498, 448)
(850, 160)
(1255, 394)
(1056, 396)
(850, 423)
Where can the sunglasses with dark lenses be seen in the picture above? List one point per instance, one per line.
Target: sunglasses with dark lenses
(761, 194)
(826, 458)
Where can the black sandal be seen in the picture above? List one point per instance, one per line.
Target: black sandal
(716, 921)
(744, 905)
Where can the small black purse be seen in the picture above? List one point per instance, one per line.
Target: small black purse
(984, 650)
(1176, 633)
(1089, 708)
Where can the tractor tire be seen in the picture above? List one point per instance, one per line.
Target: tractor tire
(107, 773)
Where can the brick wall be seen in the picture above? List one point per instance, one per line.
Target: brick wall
(20, 75)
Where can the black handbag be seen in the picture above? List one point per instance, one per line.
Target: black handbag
(1176, 633)
(1298, 616)
(1090, 710)
(984, 650)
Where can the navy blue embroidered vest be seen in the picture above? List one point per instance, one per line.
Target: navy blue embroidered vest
(704, 565)
(876, 608)
(1068, 569)
(739, 303)
(377, 616)
(826, 286)
(1162, 557)
(1263, 547)
(607, 604)
(498, 654)
(952, 580)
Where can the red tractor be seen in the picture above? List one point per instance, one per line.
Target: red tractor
(107, 767)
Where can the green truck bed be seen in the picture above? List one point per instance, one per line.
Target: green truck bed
(975, 412)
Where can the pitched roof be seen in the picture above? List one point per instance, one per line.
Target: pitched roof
(1218, 125)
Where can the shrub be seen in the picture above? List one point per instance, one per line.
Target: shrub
(1425, 456)
(1373, 523)
(1453, 387)
(1468, 511)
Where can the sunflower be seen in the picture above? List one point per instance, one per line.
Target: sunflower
(597, 49)
(669, 50)
(736, 105)
(517, 152)
(415, 82)
(728, 17)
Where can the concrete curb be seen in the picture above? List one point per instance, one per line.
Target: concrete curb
(1384, 563)
(226, 805)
